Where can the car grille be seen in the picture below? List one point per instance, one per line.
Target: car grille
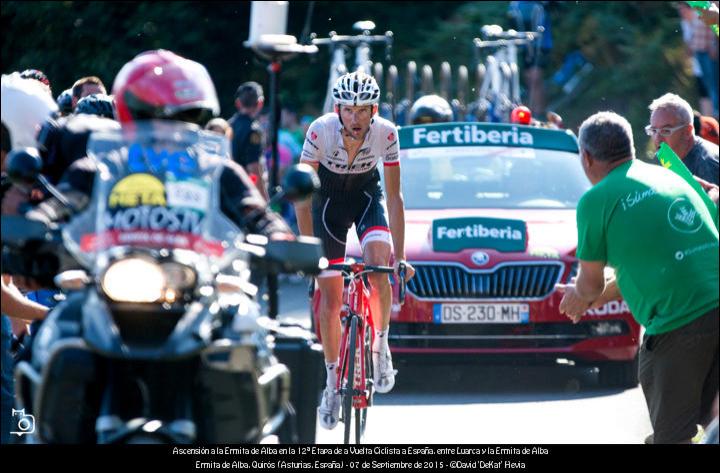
(507, 281)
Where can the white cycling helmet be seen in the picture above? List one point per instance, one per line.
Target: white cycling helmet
(356, 88)
(25, 107)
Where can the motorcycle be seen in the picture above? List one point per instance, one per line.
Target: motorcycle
(159, 339)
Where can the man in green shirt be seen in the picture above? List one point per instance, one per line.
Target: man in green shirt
(650, 226)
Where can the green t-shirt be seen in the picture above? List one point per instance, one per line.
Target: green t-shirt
(655, 230)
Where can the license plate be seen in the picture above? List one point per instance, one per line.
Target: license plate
(481, 313)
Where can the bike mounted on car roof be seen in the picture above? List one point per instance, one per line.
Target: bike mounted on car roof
(339, 46)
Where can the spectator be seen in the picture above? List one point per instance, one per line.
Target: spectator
(703, 43)
(667, 272)
(221, 127)
(706, 127)
(710, 15)
(530, 16)
(65, 102)
(97, 104)
(290, 124)
(247, 142)
(63, 141)
(305, 123)
(86, 86)
(688, 23)
(671, 122)
(25, 105)
(38, 76)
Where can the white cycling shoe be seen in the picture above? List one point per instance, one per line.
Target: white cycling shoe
(329, 410)
(383, 372)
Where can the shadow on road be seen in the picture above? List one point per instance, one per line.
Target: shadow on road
(442, 384)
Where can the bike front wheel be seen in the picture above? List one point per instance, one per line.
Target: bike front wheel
(347, 400)
(361, 414)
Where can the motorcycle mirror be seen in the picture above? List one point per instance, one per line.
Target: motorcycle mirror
(24, 166)
(23, 169)
(300, 182)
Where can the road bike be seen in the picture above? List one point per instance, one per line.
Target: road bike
(339, 46)
(497, 78)
(355, 368)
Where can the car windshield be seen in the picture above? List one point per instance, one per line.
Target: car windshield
(491, 177)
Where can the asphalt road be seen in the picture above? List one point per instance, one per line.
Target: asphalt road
(490, 404)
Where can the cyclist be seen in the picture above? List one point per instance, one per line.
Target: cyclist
(345, 148)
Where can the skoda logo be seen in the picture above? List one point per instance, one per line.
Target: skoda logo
(480, 258)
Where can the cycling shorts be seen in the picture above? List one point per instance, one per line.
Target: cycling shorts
(333, 216)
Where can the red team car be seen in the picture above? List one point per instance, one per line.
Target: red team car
(490, 229)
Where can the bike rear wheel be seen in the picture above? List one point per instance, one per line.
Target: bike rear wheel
(347, 400)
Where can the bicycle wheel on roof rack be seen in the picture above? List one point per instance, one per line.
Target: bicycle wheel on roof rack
(349, 378)
(378, 73)
(391, 88)
(462, 85)
(410, 80)
(445, 81)
(427, 85)
(479, 78)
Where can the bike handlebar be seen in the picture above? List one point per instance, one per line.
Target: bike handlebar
(387, 39)
(497, 37)
(355, 269)
(479, 43)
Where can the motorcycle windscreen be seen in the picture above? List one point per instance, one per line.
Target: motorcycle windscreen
(157, 187)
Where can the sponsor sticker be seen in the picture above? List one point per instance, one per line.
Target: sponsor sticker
(483, 134)
(189, 194)
(457, 234)
(136, 190)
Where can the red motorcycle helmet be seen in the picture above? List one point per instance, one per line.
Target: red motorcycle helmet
(162, 85)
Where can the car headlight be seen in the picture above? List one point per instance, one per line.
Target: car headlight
(134, 280)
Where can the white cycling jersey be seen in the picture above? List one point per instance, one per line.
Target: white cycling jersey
(324, 145)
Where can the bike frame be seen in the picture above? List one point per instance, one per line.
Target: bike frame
(354, 381)
(356, 304)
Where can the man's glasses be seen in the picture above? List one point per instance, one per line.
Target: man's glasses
(651, 131)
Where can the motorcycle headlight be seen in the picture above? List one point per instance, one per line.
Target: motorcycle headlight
(134, 280)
